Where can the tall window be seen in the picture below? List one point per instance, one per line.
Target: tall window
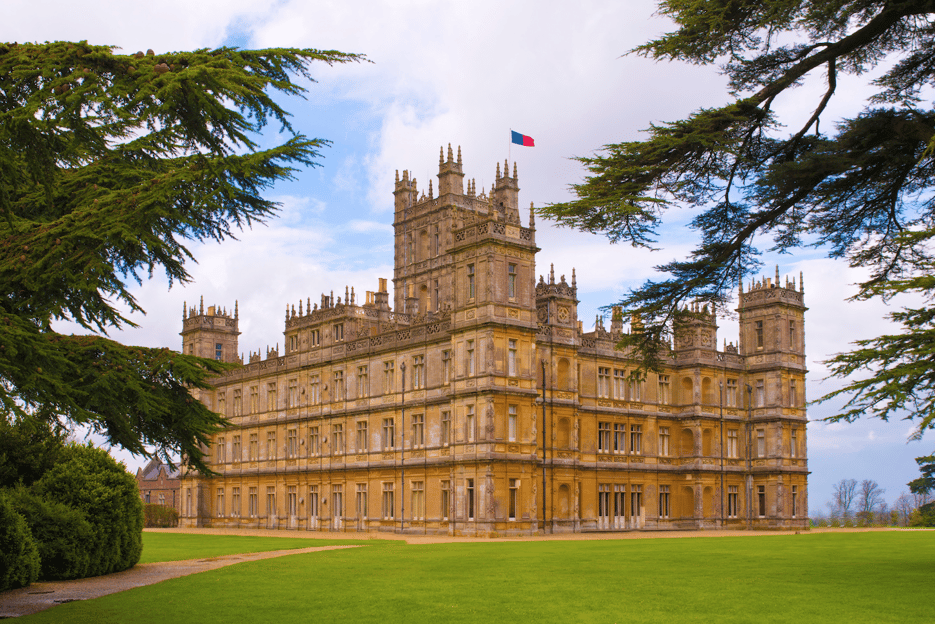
(254, 450)
(761, 443)
(636, 390)
(270, 444)
(338, 332)
(338, 393)
(446, 428)
(664, 507)
(664, 439)
(218, 351)
(410, 256)
(238, 403)
(732, 443)
(603, 382)
(389, 434)
(292, 501)
(620, 384)
(446, 366)
(758, 331)
(254, 400)
(470, 358)
(511, 281)
(253, 503)
(221, 451)
(665, 390)
(314, 390)
(636, 439)
(235, 449)
(220, 503)
(603, 505)
(511, 359)
(361, 500)
(761, 500)
(235, 502)
(636, 500)
(514, 492)
(222, 403)
(388, 507)
(270, 501)
(362, 445)
(438, 246)
(313, 505)
(603, 437)
(731, 393)
(271, 404)
(337, 438)
(793, 393)
(469, 491)
(795, 500)
(292, 443)
(469, 423)
(314, 441)
(511, 423)
(794, 442)
(314, 337)
(446, 499)
(418, 500)
(418, 430)
(293, 398)
(620, 438)
(732, 500)
(363, 381)
(760, 393)
(418, 372)
(389, 377)
(470, 275)
(792, 334)
(436, 300)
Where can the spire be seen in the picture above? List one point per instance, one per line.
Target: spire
(397, 176)
(201, 308)
(184, 310)
(450, 158)
(236, 310)
(459, 154)
(430, 188)
(347, 295)
(515, 177)
(574, 285)
(287, 311)
(801, 282)
(506, 168)
(777, 276)
(308, 306)
(552, 274)
(498, 171)
(441, 154)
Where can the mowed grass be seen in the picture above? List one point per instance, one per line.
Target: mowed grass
(832, 577)
(180, 546)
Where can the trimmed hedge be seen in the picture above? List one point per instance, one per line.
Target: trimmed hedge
(19, 558)
(63, 535)
(159, 516)
(91, 481)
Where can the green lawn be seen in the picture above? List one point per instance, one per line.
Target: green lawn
(839, 577)
(181, 546)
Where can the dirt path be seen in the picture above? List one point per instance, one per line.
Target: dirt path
(41, 596)
(44, 595)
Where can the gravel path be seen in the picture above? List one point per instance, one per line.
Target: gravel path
(44, 595)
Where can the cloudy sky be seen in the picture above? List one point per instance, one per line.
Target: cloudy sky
(465, 73)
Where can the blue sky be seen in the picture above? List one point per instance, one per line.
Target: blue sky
(465, 74)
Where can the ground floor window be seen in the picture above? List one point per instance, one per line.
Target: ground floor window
(445, 499)
(795, 496)
(313, 502)
(253, 502)
(418, 500)
(470, 499)
(220, 501)
(664, 501)
(761, 500)
(388, 506)
(514, 491)
(636, 500)
(733, 496)
(292, 499)
(235, 502)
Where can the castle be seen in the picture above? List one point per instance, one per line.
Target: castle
(477, 405)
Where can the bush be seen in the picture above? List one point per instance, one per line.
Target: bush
(924, 516)
(62, 534)
(92, 482)
(19, 558)
(159, 516)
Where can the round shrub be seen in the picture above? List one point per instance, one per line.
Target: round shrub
(62, 534)
(92, 482)
(19, 558)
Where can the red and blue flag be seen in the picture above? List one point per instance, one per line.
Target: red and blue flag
(522, 139)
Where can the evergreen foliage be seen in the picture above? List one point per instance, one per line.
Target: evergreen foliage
(62, 534)
(28, 448)
(109, 166)
(860, 189)
(19, 558)
(92, 482)
(159, 516)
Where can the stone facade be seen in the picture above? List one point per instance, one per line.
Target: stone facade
(430, 416)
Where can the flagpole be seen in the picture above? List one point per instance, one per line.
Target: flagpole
(509, 147)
